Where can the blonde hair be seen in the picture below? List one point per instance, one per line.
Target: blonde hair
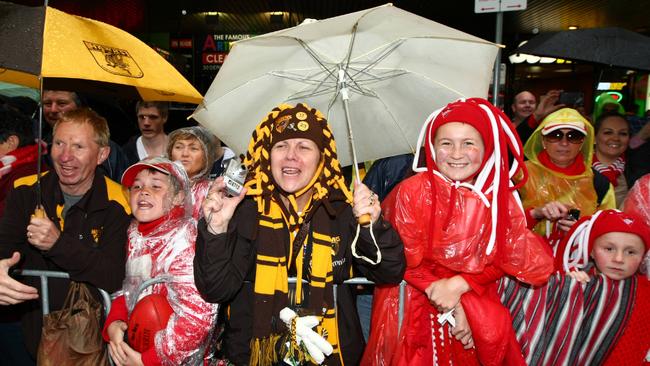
(88, 116)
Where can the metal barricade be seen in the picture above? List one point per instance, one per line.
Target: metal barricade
(365, 281)
(45, 294)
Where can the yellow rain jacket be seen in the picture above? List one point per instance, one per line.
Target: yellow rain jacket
(545, 185)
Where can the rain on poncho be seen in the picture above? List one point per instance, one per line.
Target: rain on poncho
(545, 185)
(637, 201)
(199, 183)
(164, 249)
(446, 228)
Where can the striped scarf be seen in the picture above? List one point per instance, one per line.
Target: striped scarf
(284, 234)
(277, 248)
(562, 323)
(611, 171)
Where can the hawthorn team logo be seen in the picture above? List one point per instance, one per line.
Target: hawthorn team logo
(97, 234)
(281, 123)
(114, 60)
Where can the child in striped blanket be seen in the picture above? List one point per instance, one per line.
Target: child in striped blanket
(594, 309)
(617, 244)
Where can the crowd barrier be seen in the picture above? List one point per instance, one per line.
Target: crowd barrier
(45, 301)
(45, 292)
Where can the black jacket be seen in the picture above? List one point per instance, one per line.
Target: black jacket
(116, 163)
(91, 248)
(224, 272)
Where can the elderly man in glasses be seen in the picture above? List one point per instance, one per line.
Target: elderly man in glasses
(561, 179)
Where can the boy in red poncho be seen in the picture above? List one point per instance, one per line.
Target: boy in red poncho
(463, 228)
(609, 249)
(161, 246)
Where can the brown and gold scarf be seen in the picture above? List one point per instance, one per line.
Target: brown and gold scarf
(291, 239)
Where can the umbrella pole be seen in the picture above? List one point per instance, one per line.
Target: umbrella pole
(38, 210)
(345, 97)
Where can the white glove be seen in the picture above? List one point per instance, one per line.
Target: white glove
(316, 345)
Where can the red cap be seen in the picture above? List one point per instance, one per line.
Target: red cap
(616, 221)
(599, 224)
(129, 174)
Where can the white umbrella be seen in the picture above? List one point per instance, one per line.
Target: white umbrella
(395, 67)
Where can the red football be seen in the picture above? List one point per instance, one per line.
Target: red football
(149, 316)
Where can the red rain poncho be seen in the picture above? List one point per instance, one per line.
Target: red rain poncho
(446, 230)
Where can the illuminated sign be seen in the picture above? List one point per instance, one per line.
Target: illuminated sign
(615, 95)
(611, 86)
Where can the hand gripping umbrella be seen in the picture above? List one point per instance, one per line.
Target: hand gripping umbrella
(42, 47)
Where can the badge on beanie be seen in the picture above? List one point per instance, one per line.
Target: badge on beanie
(281, 123)
(303, 126)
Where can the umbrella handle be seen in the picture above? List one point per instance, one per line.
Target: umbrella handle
(364, 219)
(39, 212)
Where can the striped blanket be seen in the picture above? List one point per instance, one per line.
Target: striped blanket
(566, 323)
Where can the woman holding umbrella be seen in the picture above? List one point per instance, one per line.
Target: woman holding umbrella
(298, 220)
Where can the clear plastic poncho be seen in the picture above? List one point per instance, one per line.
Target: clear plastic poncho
(166, 252)
(200, 184)
(637, 203)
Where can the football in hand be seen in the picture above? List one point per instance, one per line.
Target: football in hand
(149, 315)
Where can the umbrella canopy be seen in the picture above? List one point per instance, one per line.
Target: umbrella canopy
(397, 68)
(81, 54)
(13, 90)
(609, 46)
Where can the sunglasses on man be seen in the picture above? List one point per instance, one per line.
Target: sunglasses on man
(573, 136)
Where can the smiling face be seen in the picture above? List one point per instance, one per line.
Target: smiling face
(75, 156)
(294, 163)
(562, 152)
(612, 137)
(618, 255)
(55, 103)
(524, 105)
(150, 196)
(459, 150)
(190, 153)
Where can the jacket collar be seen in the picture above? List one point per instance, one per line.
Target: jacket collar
(96, 198)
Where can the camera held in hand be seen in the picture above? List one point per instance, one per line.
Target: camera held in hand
(234, 177)
(574, 214)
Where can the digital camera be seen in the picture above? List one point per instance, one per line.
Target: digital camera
(234, 177)
(574, 214)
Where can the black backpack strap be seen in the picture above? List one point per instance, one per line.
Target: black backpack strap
(601, 185)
